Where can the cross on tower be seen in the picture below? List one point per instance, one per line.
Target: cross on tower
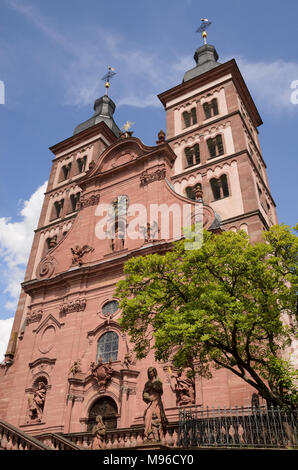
(202, 29)
(107, 77)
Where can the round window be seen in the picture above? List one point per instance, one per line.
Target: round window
(110, 307)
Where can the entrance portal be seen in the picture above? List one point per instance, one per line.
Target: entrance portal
(107, 408)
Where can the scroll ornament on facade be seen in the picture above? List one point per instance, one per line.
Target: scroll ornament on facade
(46, 267)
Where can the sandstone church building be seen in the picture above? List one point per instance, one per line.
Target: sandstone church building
(68, 360)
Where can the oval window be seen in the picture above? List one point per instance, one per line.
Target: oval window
(110, 307)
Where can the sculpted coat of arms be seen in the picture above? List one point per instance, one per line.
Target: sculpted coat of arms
(102, 373)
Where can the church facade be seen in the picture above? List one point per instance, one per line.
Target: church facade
(68, 360)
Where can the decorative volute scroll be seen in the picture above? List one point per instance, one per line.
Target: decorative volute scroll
(46, 267)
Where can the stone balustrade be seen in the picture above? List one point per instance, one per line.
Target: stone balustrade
(125, 438)
(12, 438)
(57, 442)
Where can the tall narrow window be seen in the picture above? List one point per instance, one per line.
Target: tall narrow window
(190, 118)
(186, 118)
(66, 171)
(81, 162)
(215, 186)
(219, 187)
(214, 107)
(74, 201)
(215, 146)
(207, 110)
(192, 155)
(210, 109)
(194, 116)
(224, 185)
(108, 347)
(58, 205)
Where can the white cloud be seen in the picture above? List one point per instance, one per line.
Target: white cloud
(142, 74)
(269, 82)
(5, 329)
(15, 244)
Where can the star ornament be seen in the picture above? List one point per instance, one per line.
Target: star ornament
(127, 125)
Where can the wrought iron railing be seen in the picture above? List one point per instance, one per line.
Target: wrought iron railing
(238, 427)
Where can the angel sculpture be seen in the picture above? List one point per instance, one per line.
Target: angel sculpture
(78, 252)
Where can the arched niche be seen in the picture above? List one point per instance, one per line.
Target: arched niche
(107, 408)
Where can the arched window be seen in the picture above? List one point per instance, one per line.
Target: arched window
(211, 108)
(81, 162)
(189, 118)
(107, 408)
(74, 201)
(65, 172)
(57, 209)
(192, 155)
(107, 348)
(215, 146)
(219, 187)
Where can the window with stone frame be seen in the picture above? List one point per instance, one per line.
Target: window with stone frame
(220, 188)
(57, 209)
(65, 172)
(81, 162)
(192, 155)
(74, 201)
(189, 118)
(107, 348)
(211, 108)
(215, 146)
(190, 192)
(109, 308)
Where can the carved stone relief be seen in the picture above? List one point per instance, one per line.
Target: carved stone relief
(77, 305)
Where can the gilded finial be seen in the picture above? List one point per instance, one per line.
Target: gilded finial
(127, 126)
(107, 77)
(202, 29)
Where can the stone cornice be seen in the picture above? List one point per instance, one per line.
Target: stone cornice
(237, 218)
(98, 267)
(84, 135)
(214, 74)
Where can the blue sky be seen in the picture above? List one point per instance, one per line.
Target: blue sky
(53, 54)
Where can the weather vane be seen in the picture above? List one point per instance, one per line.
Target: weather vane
(107, 77)
(202, 29)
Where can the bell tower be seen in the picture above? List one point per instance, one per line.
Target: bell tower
(212, 126)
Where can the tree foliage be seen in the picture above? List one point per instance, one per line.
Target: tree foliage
(229, 304)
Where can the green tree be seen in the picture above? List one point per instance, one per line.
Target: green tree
(229, 304)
